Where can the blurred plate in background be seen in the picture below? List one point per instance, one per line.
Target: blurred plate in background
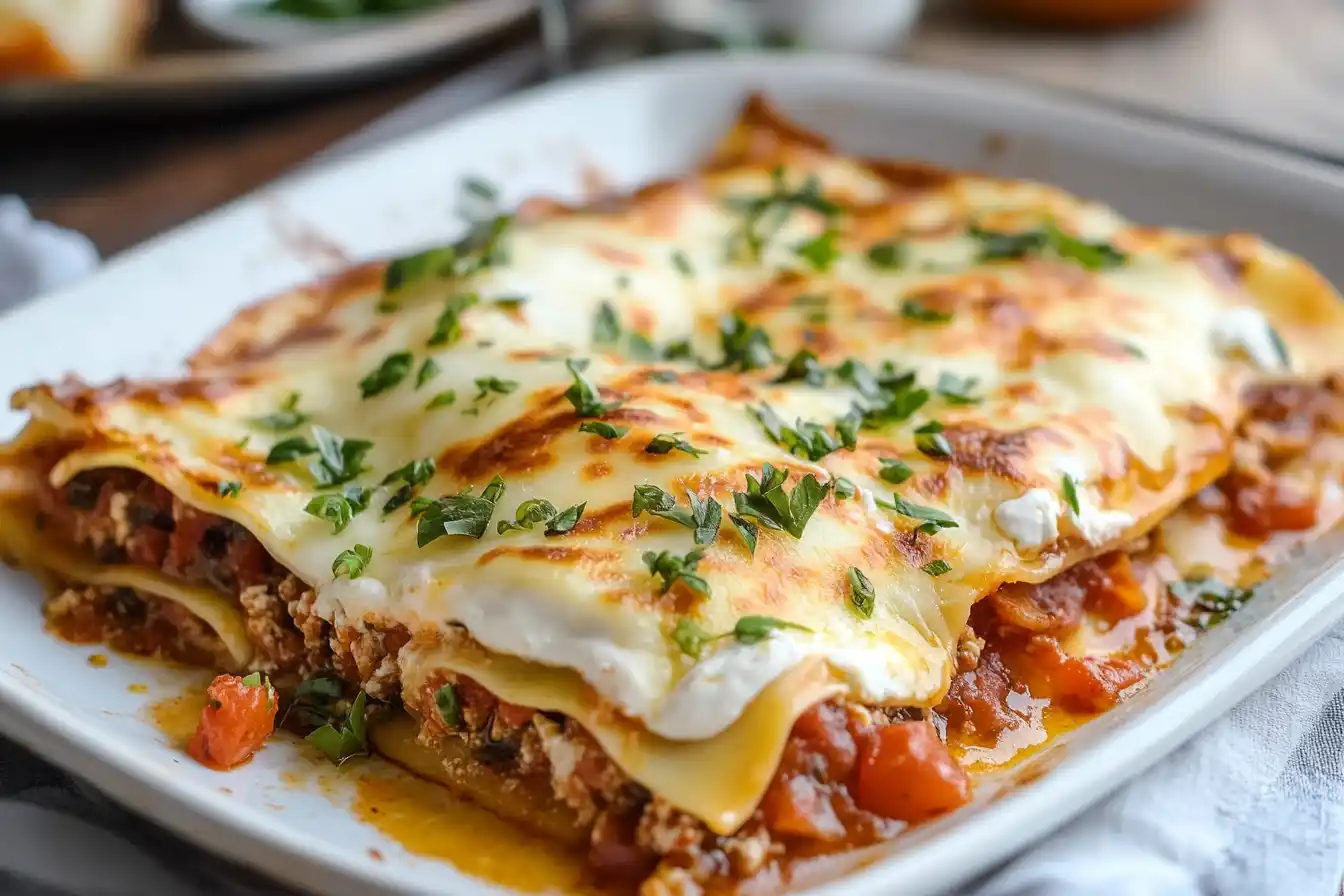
(189, 62)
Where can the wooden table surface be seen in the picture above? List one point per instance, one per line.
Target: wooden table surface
(1273, 68)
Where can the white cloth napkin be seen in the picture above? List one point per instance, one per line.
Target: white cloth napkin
(1253, 806)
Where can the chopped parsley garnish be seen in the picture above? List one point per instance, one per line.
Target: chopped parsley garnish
(667, 442)
(820, 252)
(341, 459)
(528, 514)
(931, 519)
(477, 200)
(1070, 488)
(289, 449)
(748, 530)
(288, 417)
(1209, 600)
(228, 488)
(1001, 246)
(803, 367)
(413, 475)
(430, 264)
(894, 470)
(460, 514)
(335, 509)
(446, 702)
(1280, 347)
(890, 256)
(352, 561)
(929, 439)
(448, 327)
(1093, 256)
(937, 567)
(703, 518)
(889, 396)
(745, 346)
(358, 496)
(487, 385)
(341, 739)
(754, 629)
(690, 637)
(956, 390)
(603, 429)
(254, 680)
(1133, 350)
(441, 399)
(768, 504)
(805, 438)
(388, 374)
(606, 325)
(672, 568)
(315, 701)
(429, 368)
(682, 263)
(764, 216)
(844, 489)
(565, 521)
(861, 594)
(916, 310)
(585, 397)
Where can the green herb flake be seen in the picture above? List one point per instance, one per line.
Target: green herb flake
(429, 368)
(229, 488)
(803, 367)
(528, 514)
(929, 439)
(844, 489)
(603, 429)
(446, 702)
(340, 459)
(745, 346)
(606, 325)
(564, 522)
(1209, 601)
(754, 629)
(460, 514)
(1070, 488)
(931, 519)
(937, 567)
(955, 390)
(335, 509)
(748, 530)
(427, 265)
(441, 400)
(887, 256)
(682, 263)
(667, 442)
(861, 594)
(393, 369)
(894, 470)
(764, 216)
(583, 395)
(690, 637)
(821, 251)
(448, 326)
(344, 738)
(766, 502)
(288, 417)
(673, 568)
(286, 450)
(918, 311)
(352, 562)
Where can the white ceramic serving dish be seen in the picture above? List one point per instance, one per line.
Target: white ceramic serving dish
(147, 308)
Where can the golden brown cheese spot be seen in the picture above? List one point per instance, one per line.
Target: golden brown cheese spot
(998, 452)
(596, 470)
(589, 558)
(603, 520)
(80, 398)
(779, 293)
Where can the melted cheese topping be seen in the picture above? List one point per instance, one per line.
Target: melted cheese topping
(1119, 376)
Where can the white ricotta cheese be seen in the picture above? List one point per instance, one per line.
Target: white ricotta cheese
(1031, 521)
(1245, 329)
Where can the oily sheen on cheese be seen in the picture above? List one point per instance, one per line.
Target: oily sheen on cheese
(1078, 404)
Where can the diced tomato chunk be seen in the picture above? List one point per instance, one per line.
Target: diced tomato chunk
(235, 722)
(513, 715)
(977, 701)
(799, 806)
(1081, 684)
(907, 773)
(823, 731)
(1261, 508)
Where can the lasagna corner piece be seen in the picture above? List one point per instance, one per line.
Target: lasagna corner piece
(711, 529)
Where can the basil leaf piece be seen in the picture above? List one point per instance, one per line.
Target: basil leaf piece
(706, 517)
(446, 702)
(1209, 600)
(937, 567)
(564, 522)
(956, 390)
(583, 395)
(931, 518)
(894, 470)
(603, 429)
(806, 438)
(606, 325)
(667, 442)
(803, 367)
(754, 629)
(672, 568)
(345, 738)
(289, 449)
(1070, 489)
(745, 346)
(528, 514)
(426, 265)
(429, 368)
(748, 530)
(861, 593)
(352, 561)
(690, 637)
(844, 489)
(929, 439)
(1093, 256)
(682, 263)
(229, 488)
(335, 509)
(1002, 246)
(288, 417)
(764, 216)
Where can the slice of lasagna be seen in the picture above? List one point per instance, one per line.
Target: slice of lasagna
(665, 523)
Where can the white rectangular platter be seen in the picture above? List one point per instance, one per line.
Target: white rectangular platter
(147, 309)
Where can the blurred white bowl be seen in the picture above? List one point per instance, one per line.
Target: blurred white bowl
(856, 26)
(249, 22)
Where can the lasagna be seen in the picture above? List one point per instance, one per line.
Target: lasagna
(713, 528)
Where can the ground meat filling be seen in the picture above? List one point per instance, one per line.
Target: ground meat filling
(122, 516)
(132, 622)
